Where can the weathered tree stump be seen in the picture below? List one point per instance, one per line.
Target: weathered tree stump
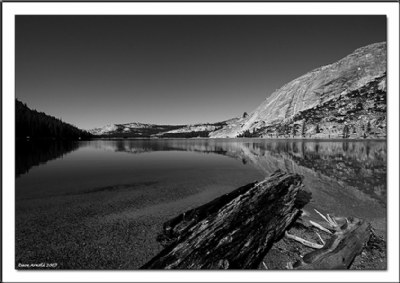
(234, 231)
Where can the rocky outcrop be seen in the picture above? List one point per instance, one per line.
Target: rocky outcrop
(358, 114)
(346, 99)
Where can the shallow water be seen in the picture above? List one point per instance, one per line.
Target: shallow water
(99, 204)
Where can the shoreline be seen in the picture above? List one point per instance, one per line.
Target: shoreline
(281, 139)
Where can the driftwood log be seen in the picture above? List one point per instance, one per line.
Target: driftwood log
(178, 226)
(234, 231)
(347, 240)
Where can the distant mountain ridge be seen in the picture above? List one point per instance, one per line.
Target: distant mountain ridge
(346, 99)
(129, 128)
(138, 130)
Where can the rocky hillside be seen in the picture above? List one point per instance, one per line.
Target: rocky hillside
(346, 99)
(136, 130)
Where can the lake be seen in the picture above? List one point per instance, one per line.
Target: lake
(100, 204)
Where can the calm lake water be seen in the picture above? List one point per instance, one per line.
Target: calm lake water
(100, 204)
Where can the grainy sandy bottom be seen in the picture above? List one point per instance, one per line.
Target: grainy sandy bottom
(117, 228)
(114, 228)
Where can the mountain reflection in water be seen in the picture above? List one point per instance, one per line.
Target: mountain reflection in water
(110, 198)
(358, 164)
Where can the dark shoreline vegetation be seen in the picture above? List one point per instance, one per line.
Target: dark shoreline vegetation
(31, 124)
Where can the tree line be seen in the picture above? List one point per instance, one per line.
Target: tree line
(33, 124)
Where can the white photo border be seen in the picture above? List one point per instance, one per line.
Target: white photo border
(10, 274)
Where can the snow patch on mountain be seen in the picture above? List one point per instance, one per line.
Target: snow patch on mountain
(103, 130)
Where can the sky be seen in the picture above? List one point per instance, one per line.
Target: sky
(92, 71)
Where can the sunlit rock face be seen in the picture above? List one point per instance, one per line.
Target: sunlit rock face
(344, 99)
(140, 130)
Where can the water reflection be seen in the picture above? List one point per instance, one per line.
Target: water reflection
(33, 153)
(110, 198)
(359, 164)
